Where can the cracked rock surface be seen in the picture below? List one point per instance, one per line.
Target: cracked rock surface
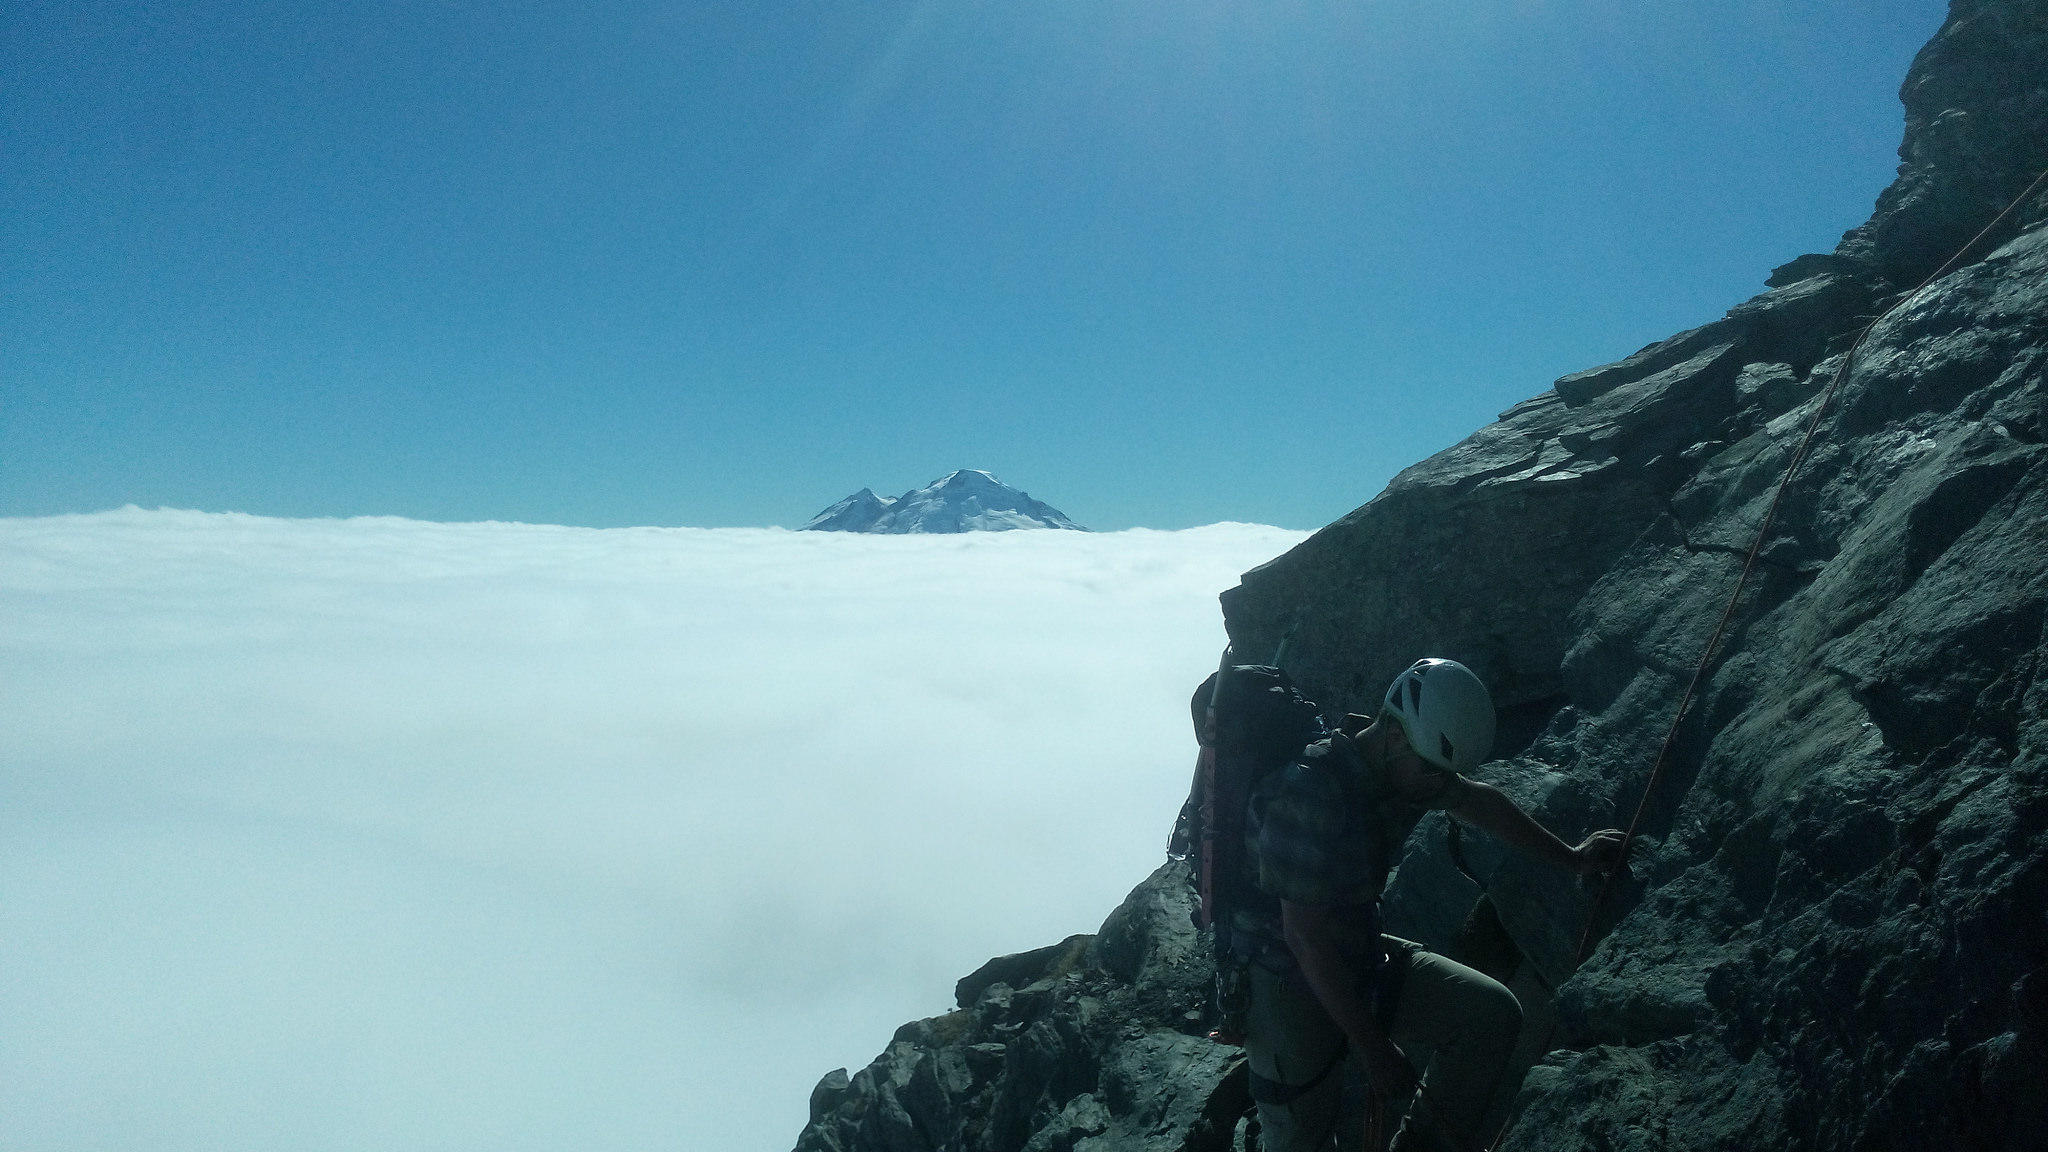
(1093, 1043)
(1834, 930)
(1834, 933)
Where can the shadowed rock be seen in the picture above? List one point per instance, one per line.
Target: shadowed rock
(1091, 1043)
(1833, 932)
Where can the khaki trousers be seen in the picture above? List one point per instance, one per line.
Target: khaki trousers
(1467, 1021)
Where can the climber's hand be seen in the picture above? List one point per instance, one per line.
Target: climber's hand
(1600, 853)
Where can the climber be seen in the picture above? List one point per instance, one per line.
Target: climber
(1321, 836)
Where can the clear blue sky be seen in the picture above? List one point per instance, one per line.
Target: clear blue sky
(709, 263)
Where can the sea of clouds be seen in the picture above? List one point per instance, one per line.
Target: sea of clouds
(380, 834)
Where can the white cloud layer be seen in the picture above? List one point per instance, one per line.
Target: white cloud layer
(379, 834)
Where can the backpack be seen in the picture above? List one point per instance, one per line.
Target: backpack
(1251, 720)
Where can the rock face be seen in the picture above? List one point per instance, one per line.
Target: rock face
(963, 501)
(1834, 930)
(1095, 1042)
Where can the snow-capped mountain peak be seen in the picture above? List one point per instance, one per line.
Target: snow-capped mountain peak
(968, 500)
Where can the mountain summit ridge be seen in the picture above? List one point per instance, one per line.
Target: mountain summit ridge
(964, 500)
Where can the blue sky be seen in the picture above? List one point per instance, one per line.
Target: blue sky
(714, 264)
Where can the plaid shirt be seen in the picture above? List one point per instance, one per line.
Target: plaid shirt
(1327, 829)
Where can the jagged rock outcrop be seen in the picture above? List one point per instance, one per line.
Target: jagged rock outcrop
(1834, 930)
(1095, 1042)
(962, 501)
(1833, 934)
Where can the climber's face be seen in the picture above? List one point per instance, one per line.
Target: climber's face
(1411, 775)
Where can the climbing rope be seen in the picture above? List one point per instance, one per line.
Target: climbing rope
(1742, 583)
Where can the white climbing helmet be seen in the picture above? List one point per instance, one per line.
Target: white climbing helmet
(1446, 713)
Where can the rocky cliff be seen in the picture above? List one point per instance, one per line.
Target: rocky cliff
(1834, 930)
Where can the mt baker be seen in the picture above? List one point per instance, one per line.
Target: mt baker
(963, 501)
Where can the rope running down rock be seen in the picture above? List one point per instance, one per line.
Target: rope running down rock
(1742, 583)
